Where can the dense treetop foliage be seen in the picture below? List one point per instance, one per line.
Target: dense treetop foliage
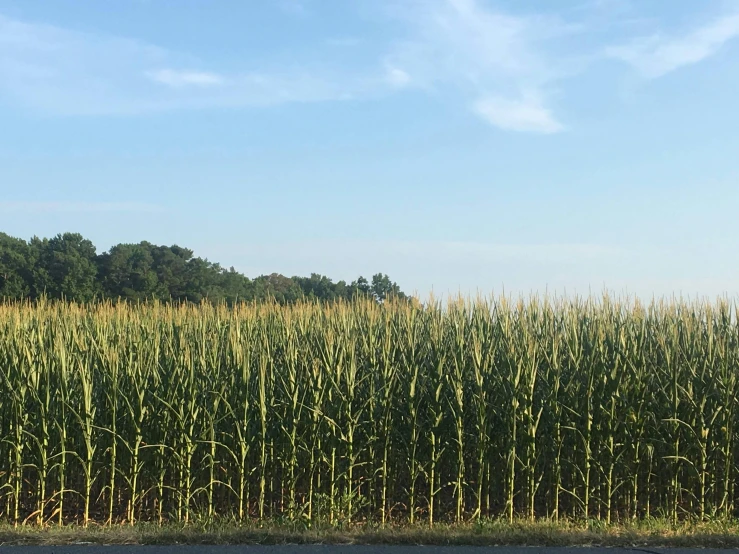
(68, 266)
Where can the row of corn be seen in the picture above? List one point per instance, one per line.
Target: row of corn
(355, 412)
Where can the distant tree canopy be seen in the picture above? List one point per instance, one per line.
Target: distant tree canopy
(67, 266)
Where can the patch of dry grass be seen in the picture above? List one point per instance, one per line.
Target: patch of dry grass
(650, 533)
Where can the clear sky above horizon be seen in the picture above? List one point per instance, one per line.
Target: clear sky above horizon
(457, 145)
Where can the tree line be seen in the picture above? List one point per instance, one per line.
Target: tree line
(68, 266)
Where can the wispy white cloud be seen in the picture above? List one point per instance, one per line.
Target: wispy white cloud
(176, 78)
(397, 77)
(66, 207)
(504, 66)
(61, 71)
(658, 54)
(478, 52)
(526, 114)
(65, 72)
(495, 60)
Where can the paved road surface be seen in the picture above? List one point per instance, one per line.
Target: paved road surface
(319, 549)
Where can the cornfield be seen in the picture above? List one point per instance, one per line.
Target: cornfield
(358, 412)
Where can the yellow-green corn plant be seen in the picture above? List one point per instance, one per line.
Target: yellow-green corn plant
(353, 412)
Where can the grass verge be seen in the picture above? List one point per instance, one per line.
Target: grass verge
(651, 533)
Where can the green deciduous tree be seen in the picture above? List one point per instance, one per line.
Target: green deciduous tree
(128, 272)
(15, 268)
(65, 267)
(383, 288)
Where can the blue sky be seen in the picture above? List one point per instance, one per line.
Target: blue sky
(457, 145)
